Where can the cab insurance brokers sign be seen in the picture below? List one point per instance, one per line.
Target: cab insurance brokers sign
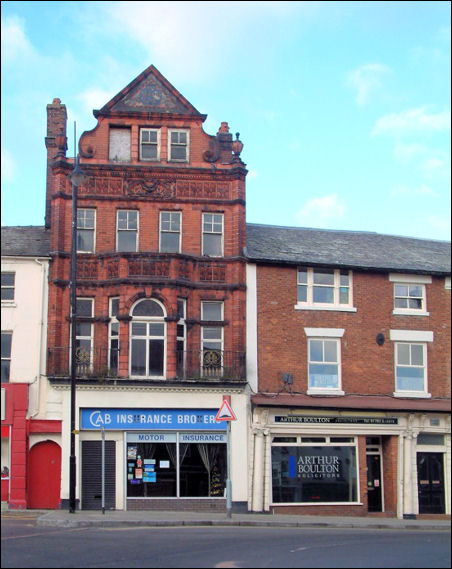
(144, 419)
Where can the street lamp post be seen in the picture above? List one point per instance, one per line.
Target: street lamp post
(77, 177)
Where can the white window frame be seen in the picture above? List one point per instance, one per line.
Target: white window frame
(336, 305)
(186, 145)
(90, 337)
(411, 337)
(204, 304)
(7, 287)
(156, 130)
(127, 229)
(148, 320)
(212, 224)
(170, 230)
(112, 323)
(5, 357)
(325, 335)
(182, 325)
(410, 281)
(411, 392)
(81, 225)
(204, 328)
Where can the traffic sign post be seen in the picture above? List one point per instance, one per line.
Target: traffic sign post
(225, 413)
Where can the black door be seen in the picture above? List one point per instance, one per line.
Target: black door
(430, 482)
(374, 502)
(92, 475)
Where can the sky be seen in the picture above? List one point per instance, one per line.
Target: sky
(343, 107)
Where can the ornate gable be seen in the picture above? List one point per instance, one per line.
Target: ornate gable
(150, 93)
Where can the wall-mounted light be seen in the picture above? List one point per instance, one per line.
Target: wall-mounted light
(380, 339)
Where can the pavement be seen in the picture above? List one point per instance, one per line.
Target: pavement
(154, 518)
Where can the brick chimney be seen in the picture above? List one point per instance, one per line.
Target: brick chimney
(56, 144)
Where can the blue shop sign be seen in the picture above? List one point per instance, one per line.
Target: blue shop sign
(149, 419)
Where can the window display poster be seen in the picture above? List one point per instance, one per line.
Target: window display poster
(149, 477)
(131, 452)
(138, 473)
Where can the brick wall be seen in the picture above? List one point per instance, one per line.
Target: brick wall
(367, 368)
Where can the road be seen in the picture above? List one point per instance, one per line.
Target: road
(26, 545)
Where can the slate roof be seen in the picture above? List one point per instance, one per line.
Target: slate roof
(25, 241)
(348, 249)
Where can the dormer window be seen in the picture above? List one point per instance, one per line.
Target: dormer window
(178, 145)
(150, 144)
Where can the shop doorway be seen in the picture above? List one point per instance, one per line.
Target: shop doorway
(44, 476)
(374, 481)
(92, 475)
(430, 482)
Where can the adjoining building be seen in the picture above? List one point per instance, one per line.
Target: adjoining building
(161, 279)
(348, 348)
(31, 413)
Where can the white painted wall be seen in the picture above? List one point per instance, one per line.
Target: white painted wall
(26, 318)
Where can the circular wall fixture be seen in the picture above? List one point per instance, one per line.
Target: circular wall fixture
(380, 339)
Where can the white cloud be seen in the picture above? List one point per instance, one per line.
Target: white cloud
(413, 120)
(321, 211)
(404, 153)
(14, 43)
(94, 98)
(194, 40)
(422, 190)
(367, 79)
(431, 162)
(8, 166)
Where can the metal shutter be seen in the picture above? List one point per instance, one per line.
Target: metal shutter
(91, 498)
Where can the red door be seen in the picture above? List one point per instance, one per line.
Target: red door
(44, 476)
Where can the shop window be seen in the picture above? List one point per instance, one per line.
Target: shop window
(152, 469)
(127, 231)
(315, 474)
(147, 340)
(174, 467)
(86, 230)
(6, 356)
(8, 283)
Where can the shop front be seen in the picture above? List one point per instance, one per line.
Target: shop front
(158, 458)
(168, 453)
(329, 462)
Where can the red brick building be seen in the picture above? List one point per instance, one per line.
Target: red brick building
(351, 370)
(161, 281)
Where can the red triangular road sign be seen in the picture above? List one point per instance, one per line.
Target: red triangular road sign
(225, 413)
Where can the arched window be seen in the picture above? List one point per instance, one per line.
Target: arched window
(147, 339)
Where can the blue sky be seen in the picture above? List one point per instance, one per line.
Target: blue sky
(343, 107)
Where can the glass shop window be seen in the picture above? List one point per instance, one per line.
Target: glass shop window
(152, 468)
(314, 474)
